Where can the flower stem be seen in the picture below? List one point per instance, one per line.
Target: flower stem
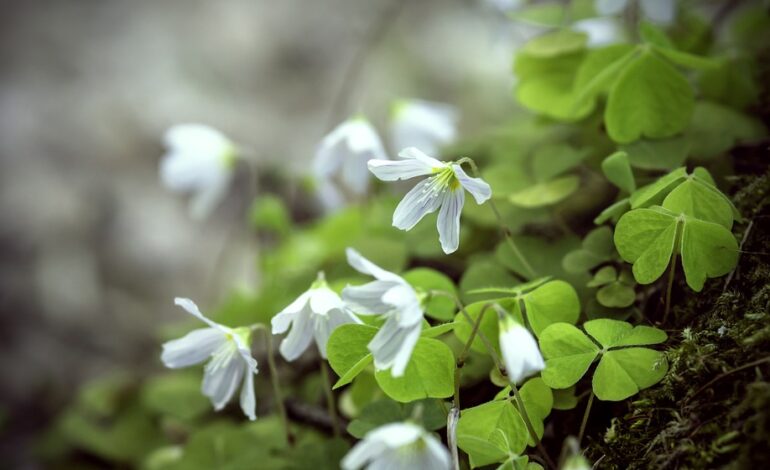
(503, 226)
(276, 384)
(528, 423)
(670, 286)
(487, 344)
(512, 244)
(327, 386)
(585, 418)
(451, 435)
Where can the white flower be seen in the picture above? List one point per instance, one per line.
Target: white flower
(231, 361)
(423, 124)
(200, 160)
(340, 161)
(315, 314)
(659, 11)
(444, 189)
(601, 31)
(398, 446)
(521, 354)
(393, 297)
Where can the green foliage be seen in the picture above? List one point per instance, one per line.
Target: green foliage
(426, 280)
(431, 413)
(649, 238)
(623, 369)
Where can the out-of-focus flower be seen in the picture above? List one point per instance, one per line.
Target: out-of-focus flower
(315, 314)
(423, 124)
(601, 31)
(444, 189)
(200, 160)
(231, 362)
(340, 161)
(659, 11)
(398, 446)
(391, 296)
(521, 354)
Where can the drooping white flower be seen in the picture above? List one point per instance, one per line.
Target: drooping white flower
(340, 161)
(199, 160)
(315, 314)
(398, 446)
(423, 124)
(391, 296)
(659, 11)
(521, 354)
(444, 190)
(229, 350)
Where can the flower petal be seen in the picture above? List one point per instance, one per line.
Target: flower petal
(206, 199)
(479, 189)
(404, 299)
(355, 174)
(364, 266)
(299, 338)
(609, 7)
(282, 320)
(408, 340)
(423, 124)
(362, 453)
(393, 344)
(395, 435)
(324, 326)
(196, 138)
(193, 309)
(438, 455)
(323, 299)
(220, 380)
(520, 351)
(248, 400)
(367, 299)
(448, 222)
(393, 170)
(413, 153)
(193, 348)
(420, 201)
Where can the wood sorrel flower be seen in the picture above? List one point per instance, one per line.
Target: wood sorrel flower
(423, 124)
(521, 354)
(315, 314)
(444, 189)
(395, 446)
(391, 296)
(200, 160)
(659, 11)
(340, 161)
(231, 361)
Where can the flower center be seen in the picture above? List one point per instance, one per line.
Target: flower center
(442, 179)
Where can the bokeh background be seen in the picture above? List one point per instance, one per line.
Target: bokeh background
(92, 248)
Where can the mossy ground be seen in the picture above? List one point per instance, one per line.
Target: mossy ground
(712, 410)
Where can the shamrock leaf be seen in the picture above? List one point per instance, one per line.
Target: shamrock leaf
(649, 237)
(616, 291)
(624, 368)
(425, 280)
(543, 303)
(347, 351)
(617, 169)
(490, 432)
(659, 154)
(596, 249)
(649, 99)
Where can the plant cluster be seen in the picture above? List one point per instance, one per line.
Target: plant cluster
(459, 350)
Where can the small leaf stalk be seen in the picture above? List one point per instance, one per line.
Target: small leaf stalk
(330, 401)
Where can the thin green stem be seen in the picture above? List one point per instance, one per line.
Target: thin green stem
(669, 287)
(327, 386)
(528, 423)
(585, 418)
(511, 243)
(276, 384)
(487, 344)
(503, 226)
(466, 350)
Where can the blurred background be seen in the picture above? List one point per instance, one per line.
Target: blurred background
(92, 248)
